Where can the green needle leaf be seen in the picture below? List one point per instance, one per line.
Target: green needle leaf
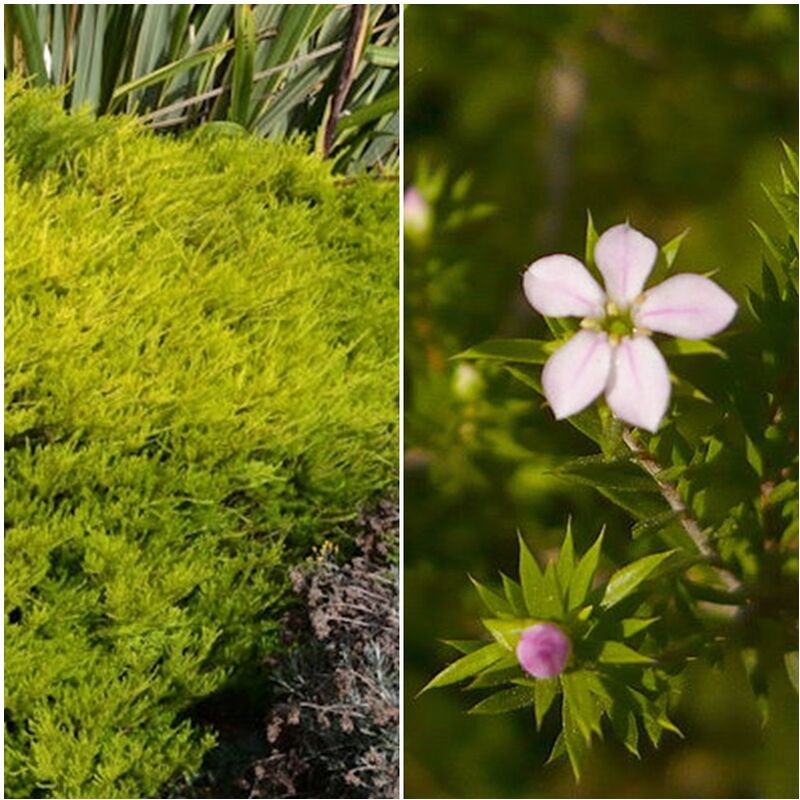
(545, 692)
(552, 599)
(591, 239)
(625, 728)
(559, 749)
(628, 579)
(599, 472)
(523, 351)
(504, 701)
(618, 653)
(382, 56)
(671, 248)
(531, 578)
(385, 104)
(463, 645)
(501, 673)
(582, 704)
(508, 631)
(574, 741)
(513, 592)
(583, 575)
(566, 559)
(496, 603)
(689, 347)
(467, 665)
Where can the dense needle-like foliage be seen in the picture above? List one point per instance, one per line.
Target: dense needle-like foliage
(200, 378)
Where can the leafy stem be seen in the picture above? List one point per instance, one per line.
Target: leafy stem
(669, 491)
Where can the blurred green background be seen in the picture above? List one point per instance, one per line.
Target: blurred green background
(670, 116)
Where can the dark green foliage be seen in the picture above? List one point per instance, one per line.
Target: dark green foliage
(201, 378)
(635, 112)
(606, 676)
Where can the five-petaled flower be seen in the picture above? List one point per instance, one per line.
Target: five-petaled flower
(543, 650)
(613, 352)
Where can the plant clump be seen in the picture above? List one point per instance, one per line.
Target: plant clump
(201, 379)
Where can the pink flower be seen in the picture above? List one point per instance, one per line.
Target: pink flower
(613, 353)
(543, 650)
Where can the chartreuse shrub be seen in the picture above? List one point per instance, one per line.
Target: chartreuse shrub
(201, 379)
(699, 445)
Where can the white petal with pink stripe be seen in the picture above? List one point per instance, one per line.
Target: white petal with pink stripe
(626, 258)
(560, 286)
(576, 374)
(638, 388)
(689, 306)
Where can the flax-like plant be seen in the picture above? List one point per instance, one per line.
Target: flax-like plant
(327, 71)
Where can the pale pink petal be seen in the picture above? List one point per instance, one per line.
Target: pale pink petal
(625, 257)
(689, 306)
(577, 373)
(638, 390)
(560, 286)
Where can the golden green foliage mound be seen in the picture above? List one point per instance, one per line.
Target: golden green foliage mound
(201, 378)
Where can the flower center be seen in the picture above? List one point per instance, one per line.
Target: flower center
(617, 322)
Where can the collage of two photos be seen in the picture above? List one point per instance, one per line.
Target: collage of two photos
(401, 401)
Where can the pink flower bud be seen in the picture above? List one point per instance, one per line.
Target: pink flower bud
(543, 650)
(416, 212)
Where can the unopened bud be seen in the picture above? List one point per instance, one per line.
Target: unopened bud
(417, 214)
(543, 650)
